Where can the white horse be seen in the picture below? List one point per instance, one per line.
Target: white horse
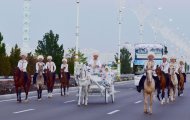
(149, 88)
(40, 82)
(174, 83)
(83, 78)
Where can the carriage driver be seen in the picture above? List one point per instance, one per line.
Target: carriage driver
(95, 63)
(22, 65)
(165, 68)
(40, 62)
(50, 65)
(150, 57)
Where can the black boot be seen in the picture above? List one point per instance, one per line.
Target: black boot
(141, 84)
(139, 89)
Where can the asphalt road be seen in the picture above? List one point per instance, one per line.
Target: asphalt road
(128, 106)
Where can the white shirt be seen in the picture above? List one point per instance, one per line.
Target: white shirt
(51, 66)
(182, 68)
(38, 64)
(66, 66)
(94, 63)
(22, 65)
(165, 67)
(154, 67)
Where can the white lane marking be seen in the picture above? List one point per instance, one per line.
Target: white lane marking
(8, 100)
(23, 111)
(70, 101)
(124, 83)
(138, 102)
(117, 91)
(113, 112)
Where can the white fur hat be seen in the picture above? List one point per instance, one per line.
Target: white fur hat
(96, 54)
(106, 67)
(165, 56)
(64, 59)
(49, 58)
(23, 54)
(173, 58)
(40, 57)
(151, 54)
(181, 60)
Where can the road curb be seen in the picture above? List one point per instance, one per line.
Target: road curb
(9, 96)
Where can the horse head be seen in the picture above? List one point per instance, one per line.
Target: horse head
(172, 70)
(40, 70)
(149, 74)
(179, 71)
(158, 71)
(17, 73)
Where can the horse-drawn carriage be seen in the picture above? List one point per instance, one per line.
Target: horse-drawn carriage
(90, 83)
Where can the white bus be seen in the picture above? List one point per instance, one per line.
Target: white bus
(141, 51)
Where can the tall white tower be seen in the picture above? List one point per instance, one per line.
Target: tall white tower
(142, 12)
(121, 7)
(26, 26)
(77, 34)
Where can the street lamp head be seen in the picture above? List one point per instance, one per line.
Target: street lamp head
(77, 1)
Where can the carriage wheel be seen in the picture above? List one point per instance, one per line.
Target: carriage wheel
(106, 96)
(113, 94)
(113, 98)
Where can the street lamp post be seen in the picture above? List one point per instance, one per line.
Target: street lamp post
(26, 26)
(77, 34)
(119, 40)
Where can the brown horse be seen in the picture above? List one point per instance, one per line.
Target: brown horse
(64, 82)
(180, 83)
(20, 84)
(50, 82)
(163, 84)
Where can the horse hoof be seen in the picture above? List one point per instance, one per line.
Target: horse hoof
(145, 112)
(168, 101)
(150, 113)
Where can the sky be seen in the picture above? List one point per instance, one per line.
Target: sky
(98, 22)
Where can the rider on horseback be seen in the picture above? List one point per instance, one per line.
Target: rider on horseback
(39, 63)
(174, 64)
(165, 69)
(50, 65)
(65, 66)
(182, 69)
(150, 57)
(22, 65)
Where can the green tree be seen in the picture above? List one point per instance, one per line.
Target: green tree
(6, 66)
(14, 57)
(71, 59)
(2, 46)
(125, 59)
(31, 64)
(3, 56)
(49, 46)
